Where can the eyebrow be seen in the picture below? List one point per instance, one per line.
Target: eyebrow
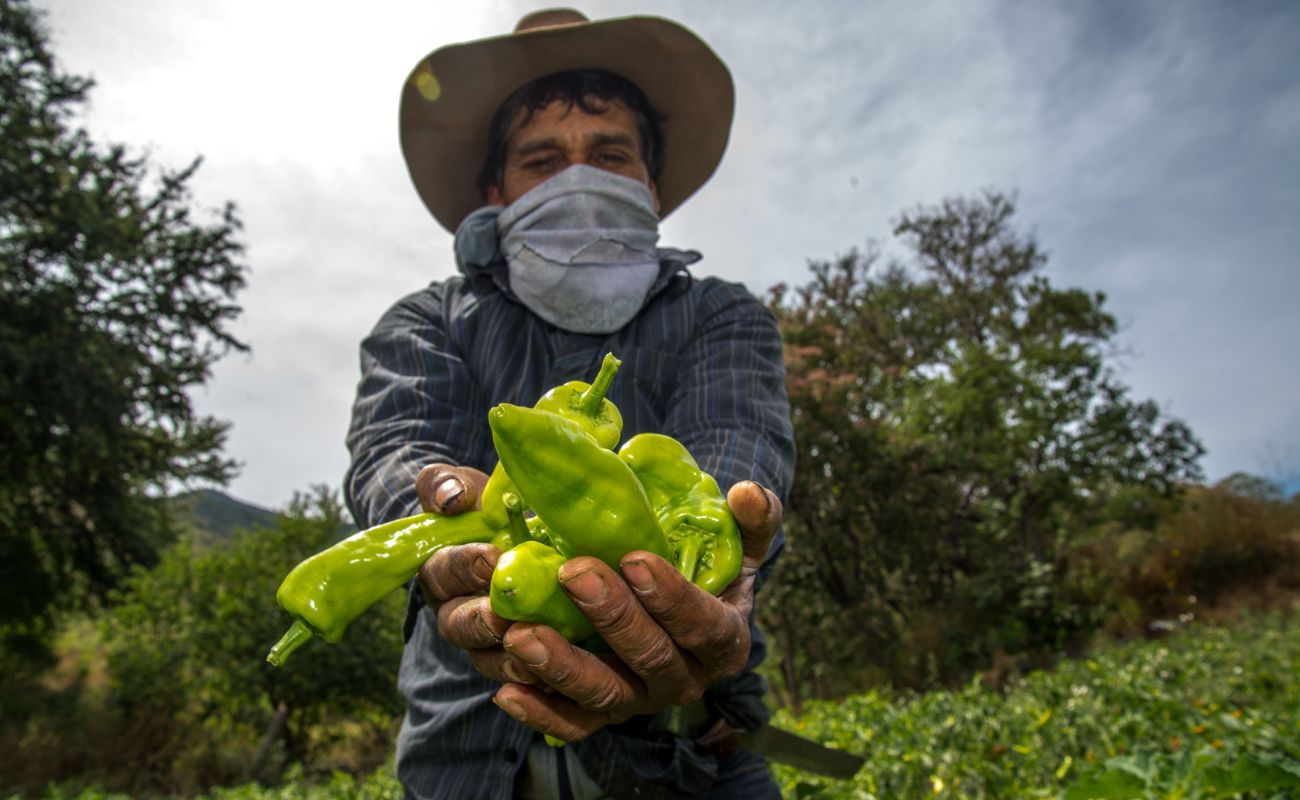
(592, 139)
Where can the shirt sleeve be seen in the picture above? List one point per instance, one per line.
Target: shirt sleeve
(732, 412)
(416, 404)
(730, 408)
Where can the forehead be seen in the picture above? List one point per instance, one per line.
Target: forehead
(559, 119)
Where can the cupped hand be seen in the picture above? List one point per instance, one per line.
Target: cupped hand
(455, 580)
(670, 640)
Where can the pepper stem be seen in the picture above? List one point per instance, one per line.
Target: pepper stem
(515, 514)
(590, 400)
(297, 635)
(688, 554)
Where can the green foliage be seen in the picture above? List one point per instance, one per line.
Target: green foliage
(188, 700)
(380, 785)
(1209, 713)
(187, 643)
(1185, 774)
(957, 424)
(114, 301)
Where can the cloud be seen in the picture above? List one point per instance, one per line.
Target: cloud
(1151, 145)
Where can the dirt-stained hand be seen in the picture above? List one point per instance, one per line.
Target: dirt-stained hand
(670, 639)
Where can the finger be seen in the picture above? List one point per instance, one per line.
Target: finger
(497, 664)
(552, 714)
(455, 571)
(469, 622)
(624, 624)
(758, 512)
(575, 673)
(449, 489)
(714, 631)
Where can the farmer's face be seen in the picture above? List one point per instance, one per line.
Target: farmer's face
(559, 136)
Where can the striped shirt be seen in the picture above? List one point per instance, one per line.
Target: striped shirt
(701, 363)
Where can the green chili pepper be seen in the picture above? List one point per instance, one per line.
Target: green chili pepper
(692, 511)
(526, 584)
(586, 404)
(330, 589)
(582, 402)
(526, 587)
(587, 497)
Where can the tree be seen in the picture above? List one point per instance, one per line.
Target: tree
(957, 426)
(114, 300)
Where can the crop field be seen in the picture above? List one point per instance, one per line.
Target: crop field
(1209, 712)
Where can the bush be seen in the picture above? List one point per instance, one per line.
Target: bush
(187, 700)
(380, 785)
(1219, 550)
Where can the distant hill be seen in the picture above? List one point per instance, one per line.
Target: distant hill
(217, 516)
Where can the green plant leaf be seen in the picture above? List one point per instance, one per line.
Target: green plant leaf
(1249, 775)
(1113, 783)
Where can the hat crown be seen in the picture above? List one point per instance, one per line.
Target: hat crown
(550, 18)
(452, 95)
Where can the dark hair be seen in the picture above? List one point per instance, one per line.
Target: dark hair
(591, 91)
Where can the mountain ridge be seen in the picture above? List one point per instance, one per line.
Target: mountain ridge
(218, 516)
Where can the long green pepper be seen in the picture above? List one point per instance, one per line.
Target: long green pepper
(333, 587)
(588, 498)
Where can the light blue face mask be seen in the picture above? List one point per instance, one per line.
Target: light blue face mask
(581, 249)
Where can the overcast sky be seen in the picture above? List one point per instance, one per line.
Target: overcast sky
(1154, 147)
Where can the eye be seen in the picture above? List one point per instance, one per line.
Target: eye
(612, 159)
(542, 163)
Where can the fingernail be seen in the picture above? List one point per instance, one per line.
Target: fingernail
(531, 651)
(446, 492)
(508, 667)
(486, 629)
(767, 499)
(482, 569)
(512, 708)
(587, 586)
(638, 575)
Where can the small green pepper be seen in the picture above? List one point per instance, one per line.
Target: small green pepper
(333, 587)
(588, 498)
(526, 587)
(692, 511)
(582, 402)
(586, 404)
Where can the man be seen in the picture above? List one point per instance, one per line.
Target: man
(553, 153)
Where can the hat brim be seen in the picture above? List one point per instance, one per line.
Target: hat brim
(451, 96)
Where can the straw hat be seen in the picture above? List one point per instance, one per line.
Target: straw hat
(451, 95)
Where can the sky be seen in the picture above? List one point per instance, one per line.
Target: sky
(1151, 147)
